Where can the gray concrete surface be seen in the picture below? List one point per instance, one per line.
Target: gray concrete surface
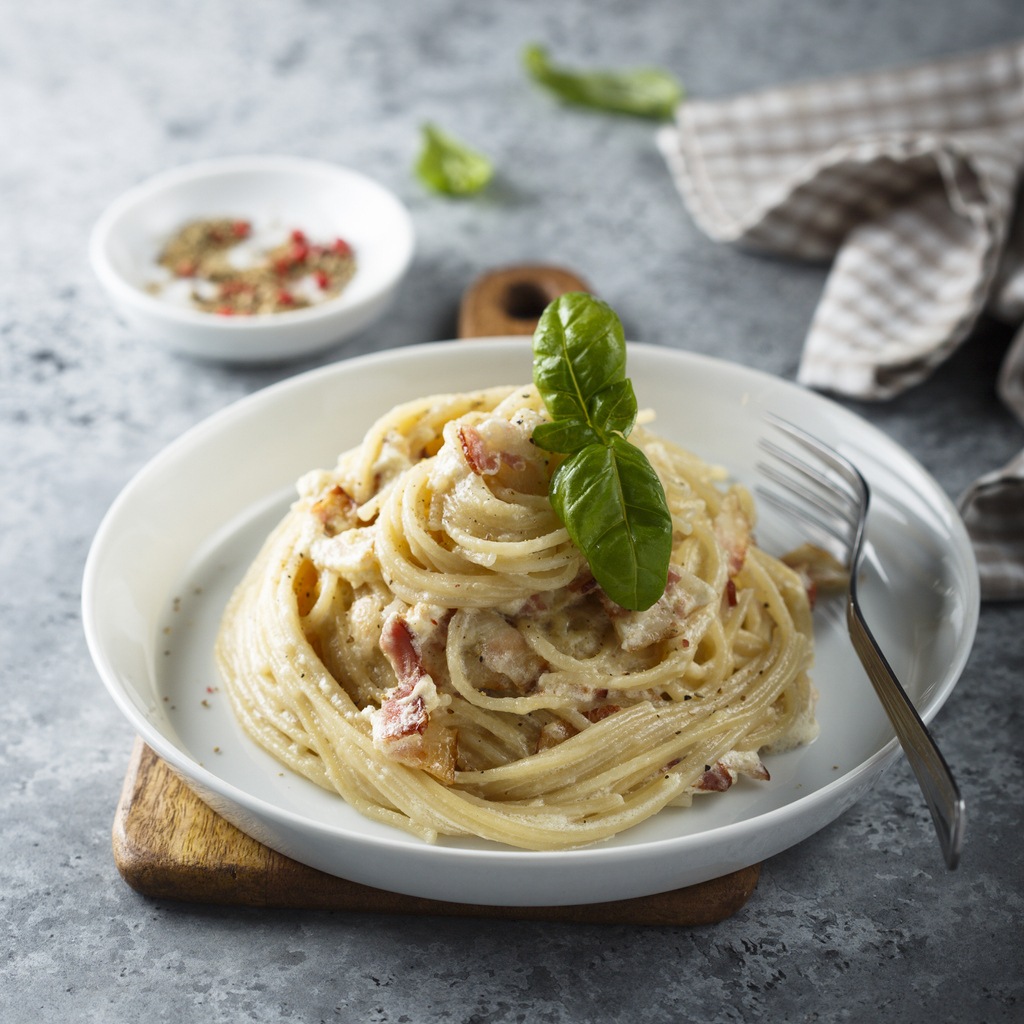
(858, 923)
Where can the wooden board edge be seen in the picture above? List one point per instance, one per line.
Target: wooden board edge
(169, 845)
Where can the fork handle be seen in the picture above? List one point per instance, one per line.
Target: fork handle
(940, 790)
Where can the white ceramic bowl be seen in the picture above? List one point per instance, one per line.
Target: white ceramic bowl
(321, 199)
(178, 539)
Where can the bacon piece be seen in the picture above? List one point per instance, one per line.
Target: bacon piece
(507, 653)
(637, 630)
(723, 773)
(401, 650)
(335, 509)
(504, 660)
(483, 460)
(402, 713)
(402, 727)
(414, 641)
(716, 779)
(664, 619)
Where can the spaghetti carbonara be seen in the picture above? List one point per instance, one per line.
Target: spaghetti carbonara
(420, 635)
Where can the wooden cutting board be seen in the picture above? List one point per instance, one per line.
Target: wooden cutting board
(169, 845)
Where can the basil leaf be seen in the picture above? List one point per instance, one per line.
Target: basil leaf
(614, 409)
(579, 349)
(613, 506)
(644, 92)
(606, 493)
(449, 166)
(565, 436)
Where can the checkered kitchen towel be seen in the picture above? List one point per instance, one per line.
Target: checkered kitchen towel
(907, 181)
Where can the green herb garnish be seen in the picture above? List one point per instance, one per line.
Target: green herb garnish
(606, 493)
(644, 92)
(449, 166)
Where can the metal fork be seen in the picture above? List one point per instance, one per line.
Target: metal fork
(827, 492)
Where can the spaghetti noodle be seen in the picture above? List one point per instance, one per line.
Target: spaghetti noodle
(420, 635)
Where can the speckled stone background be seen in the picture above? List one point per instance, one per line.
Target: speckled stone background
(858, 923)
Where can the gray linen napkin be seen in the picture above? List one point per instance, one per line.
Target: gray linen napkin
(907, 181)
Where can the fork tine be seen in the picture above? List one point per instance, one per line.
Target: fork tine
(818, 477)
(826, 491)
(822, 482)
(827, 524)
(855, 485)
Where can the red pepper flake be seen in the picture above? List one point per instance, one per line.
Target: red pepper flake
(299, 236)
(186, 268)
(323, 279)
(241, 229)
(224, 311)
(282, 267)
(285, 298)
(341, 247)
(730, 593)
(300, 251)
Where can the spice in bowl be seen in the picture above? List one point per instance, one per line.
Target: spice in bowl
(221, 266)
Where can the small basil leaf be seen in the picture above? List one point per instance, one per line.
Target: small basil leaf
(644, 92)
(579, 349)
(449, 166)
(565, 435)
(614, 408)
(611, 502)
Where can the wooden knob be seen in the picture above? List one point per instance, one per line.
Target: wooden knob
(511, 300)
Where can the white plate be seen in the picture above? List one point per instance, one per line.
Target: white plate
(176, 541)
